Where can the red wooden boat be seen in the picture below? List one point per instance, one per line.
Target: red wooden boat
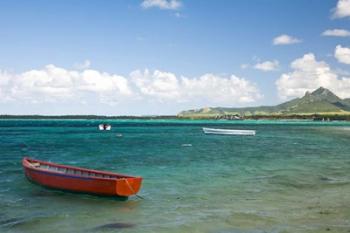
(80, 179)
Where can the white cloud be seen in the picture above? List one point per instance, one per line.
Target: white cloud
(336, 32)
(57, 86)
(82, 66)
(308, 74)
(244, 66)
(207, 89)
(161, 85)
(54, 84)
(342, 9)
(285, 40)
(179, 15)
(342, 54)
(213, 89)
(267, 65)
(162, 4)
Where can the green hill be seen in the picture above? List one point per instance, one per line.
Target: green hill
(320, 101)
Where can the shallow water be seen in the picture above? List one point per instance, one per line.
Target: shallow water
(290, 177)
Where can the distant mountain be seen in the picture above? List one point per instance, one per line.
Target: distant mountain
(319, 101)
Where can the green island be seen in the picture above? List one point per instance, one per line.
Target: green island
(319, 105)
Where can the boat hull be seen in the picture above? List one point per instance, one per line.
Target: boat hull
(229, 131)
(123, 186)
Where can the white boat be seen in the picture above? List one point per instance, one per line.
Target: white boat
(104, 127)
(229, 131)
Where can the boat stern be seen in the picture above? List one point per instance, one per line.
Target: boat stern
(128, 186)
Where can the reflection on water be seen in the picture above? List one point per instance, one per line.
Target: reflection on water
(288, 178)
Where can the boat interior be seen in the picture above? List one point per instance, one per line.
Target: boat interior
(72, 171)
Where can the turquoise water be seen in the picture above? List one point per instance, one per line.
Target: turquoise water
(290, 177)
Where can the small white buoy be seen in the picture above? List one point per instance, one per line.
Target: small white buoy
(186, 145)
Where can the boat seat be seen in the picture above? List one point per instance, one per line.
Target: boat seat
(63, 170)
(35, 164)
(70, 171)
(84, 173)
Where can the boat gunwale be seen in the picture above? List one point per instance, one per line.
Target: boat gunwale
(26, 164)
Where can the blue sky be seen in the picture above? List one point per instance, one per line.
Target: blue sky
(167, 59)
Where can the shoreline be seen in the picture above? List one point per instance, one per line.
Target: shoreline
(302, 117)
